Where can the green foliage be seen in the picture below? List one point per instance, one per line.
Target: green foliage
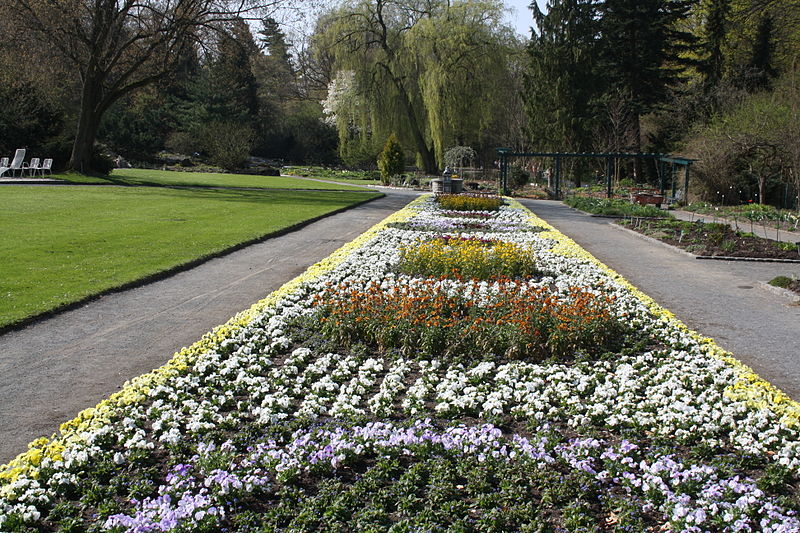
(459, 156)
(28, 119)
(431, 493)
(518, 177)
(228, 144)
(642, 48)
(749, 148)
(561, 83)
(781, 281)
(714, 33)
(391, 162)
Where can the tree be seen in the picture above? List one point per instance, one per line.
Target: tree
(115, 46)
(561, 86)
(391, 162)
(223, 94)
(715, 30)
(761, 59)
(644, 52)
(412, 65)
(27, 118)
(751, 22)
(562, 89)
(747, 143)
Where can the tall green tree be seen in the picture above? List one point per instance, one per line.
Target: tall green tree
(715, 29)
(644, 52)
(562, 89)
(761, 65)
(423, 69)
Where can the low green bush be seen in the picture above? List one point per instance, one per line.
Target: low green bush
(781, 281)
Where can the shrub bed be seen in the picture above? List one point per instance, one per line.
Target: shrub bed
(273, 423)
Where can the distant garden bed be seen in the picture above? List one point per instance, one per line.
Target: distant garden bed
(712, 239)
(756, 217)
(614, 207)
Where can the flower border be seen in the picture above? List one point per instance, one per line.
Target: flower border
(750, 388)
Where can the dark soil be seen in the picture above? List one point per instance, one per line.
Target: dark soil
(712, 240)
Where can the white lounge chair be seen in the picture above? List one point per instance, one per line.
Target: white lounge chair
(16, 163)
(31, 167)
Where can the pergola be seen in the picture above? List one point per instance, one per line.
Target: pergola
(662, 160)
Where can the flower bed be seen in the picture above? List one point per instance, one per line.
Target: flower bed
(711, 239)
(469, 202)
(433, 403)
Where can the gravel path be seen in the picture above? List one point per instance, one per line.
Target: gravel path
(723, 300)
(51, 370)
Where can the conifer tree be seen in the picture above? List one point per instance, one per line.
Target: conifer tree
(391, 162)
(561, 85)
(715, 30)
(644, 53)
(761, 58)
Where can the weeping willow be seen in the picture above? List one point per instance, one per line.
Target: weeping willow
(427, 71)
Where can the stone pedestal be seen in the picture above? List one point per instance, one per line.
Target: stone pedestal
(448, 186)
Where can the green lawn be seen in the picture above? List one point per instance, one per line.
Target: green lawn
(60, 244)
(135, 176)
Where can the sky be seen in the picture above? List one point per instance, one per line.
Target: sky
(520, 17)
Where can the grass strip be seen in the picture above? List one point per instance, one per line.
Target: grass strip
(64, 244)
(169, 178)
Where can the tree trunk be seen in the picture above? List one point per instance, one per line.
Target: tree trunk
(425, 152)
(637, 147)
(88, 123)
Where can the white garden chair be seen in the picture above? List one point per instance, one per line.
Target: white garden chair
(4, 162)
(47, 165)
(31, 167)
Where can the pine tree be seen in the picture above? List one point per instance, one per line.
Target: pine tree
(761, 59)
(391, 162)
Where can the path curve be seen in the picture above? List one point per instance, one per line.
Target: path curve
(54, 368)
(723, 300)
